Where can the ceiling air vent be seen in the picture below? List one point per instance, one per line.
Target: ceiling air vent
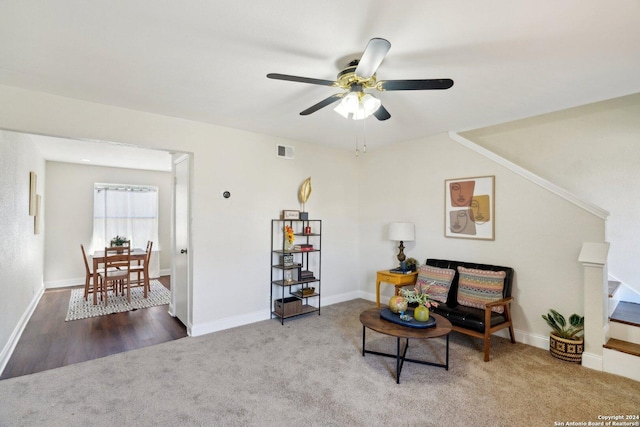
(284, 151)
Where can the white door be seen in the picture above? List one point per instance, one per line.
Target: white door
(180, 280)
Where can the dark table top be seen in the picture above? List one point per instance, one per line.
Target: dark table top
(372, 320)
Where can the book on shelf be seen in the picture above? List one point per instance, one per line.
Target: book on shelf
(304, 276)
(303, 247)
(400, 271)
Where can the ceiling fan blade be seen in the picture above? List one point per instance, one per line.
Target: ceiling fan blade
(322, 104)
(372, 57)
(427, 84)
(286, 77)
(382, 113)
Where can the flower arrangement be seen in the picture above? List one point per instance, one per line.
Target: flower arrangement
(419, 295)
(288, 234)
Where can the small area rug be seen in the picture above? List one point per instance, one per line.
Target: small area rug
(81, 309)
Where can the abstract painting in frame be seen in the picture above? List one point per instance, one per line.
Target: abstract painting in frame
(469, 210)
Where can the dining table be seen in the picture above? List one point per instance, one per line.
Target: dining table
(137, 254)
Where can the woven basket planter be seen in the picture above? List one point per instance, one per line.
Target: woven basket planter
(567, 350)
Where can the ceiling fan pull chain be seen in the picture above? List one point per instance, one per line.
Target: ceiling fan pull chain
(364, 137)
(355, 123)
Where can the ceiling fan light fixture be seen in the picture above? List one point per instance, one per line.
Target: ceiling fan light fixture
(351, 102)
(342, 110)
(359, 115)
(370, 104)
(358, 105)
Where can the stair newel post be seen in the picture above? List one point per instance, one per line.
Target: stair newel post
(593, 257)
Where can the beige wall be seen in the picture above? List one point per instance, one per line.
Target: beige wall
(21, 252)
(69, 215)
(230, 237)
(592, 151)
(536, 232)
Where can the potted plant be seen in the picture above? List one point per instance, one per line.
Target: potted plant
(565, 340)
(420, 296)
(118, 241)
(412, 264)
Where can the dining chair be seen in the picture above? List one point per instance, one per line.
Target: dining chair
(88, 275)
(117, 264)
(143, 269)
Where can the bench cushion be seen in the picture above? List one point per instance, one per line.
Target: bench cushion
(467, 317)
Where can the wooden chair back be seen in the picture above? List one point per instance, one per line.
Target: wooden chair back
(87, 274)
(117, 257)
(84, 258)
(148, 258)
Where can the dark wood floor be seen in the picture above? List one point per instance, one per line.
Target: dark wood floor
(49, 342)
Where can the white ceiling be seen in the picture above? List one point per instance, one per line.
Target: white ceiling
(207, 60)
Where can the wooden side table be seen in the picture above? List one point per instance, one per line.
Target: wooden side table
(398, 280)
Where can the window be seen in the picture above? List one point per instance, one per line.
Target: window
(124, 210)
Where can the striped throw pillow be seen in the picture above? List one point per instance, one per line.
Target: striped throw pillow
(436, 281)
(476, 288)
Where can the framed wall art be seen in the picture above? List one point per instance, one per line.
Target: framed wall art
(36, 217)
(469, 208)
(290, 214)
(33, 187)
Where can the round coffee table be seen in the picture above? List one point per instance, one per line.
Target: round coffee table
(371, 319)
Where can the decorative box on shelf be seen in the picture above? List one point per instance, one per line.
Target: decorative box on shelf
(287, 260)
(287, 306)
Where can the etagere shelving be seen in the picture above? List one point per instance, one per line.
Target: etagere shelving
(295, 272)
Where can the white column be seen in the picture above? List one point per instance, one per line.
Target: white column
(593, 257)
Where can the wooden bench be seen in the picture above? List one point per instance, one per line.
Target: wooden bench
(476, 322)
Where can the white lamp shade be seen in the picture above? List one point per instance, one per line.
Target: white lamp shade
(370, 104)
(357, 105)
(351, 102)
(342, 110)
(402, 231)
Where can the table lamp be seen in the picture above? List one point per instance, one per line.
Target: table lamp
(401, 232)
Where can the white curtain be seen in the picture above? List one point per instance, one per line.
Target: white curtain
(125, 210)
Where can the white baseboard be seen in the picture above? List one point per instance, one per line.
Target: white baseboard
(245, 319)
(592, 361)
(64, 283)
(229, 322)
(8, 349)
(79, 281)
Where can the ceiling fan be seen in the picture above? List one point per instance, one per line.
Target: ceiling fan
(358, 76)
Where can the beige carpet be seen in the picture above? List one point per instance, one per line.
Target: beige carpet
(310, 372)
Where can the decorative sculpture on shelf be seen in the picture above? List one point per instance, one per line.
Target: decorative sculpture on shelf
(303, 195)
